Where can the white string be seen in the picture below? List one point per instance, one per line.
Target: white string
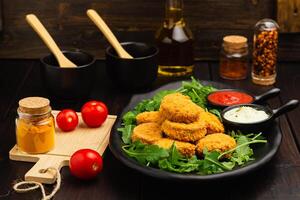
(36, 185)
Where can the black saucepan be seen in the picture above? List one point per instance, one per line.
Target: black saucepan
(261, 125)
(255, 99)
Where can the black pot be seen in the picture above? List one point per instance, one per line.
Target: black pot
(260, 126)
(255, 99)
(69, 83)
(131, 74)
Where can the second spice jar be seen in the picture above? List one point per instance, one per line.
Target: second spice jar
(265, 46)
(234, 58)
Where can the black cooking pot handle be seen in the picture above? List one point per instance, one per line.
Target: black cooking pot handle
(292, 104)
(271, 93)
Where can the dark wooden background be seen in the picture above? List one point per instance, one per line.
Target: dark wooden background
(131, 20)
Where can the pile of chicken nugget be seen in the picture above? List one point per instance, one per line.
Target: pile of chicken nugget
(181, 122)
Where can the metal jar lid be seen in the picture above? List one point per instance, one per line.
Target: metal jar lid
(34, 105)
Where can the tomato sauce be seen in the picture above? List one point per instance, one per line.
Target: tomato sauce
(229, 98)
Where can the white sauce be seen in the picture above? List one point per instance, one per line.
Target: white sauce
(245, 114)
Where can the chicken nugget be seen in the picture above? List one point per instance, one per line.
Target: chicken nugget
(191, 132)
(185, 148)
(216, 142)
(179, 108)
(212, 122)
(151, 116)
(147, 133)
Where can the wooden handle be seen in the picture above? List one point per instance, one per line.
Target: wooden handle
(39, 171)
(38, 27)
(95, 17)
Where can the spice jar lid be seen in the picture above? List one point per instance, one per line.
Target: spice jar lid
(266, 25)
(34, 105)
(235, 41)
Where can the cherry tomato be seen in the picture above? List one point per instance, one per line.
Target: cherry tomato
(94, 113)
(67, 120)
(86, 164)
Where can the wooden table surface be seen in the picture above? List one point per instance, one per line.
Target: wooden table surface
(279, 179)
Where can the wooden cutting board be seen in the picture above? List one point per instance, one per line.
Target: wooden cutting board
(66, 143)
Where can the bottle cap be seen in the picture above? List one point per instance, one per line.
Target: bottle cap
(234, 42)
(34, 105)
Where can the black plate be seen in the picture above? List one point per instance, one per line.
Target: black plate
(262, 152)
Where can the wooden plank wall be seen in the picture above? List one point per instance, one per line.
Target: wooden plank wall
(132, 20)
(288, 15)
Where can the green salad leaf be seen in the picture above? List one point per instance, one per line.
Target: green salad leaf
(198, 94)
(145, 154)
(178, 163)
(242, 153)
(212, 162)
(196, 91)
(126, 132)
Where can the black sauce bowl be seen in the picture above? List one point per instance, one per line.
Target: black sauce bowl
(255, 98)
(69, 83)
(132, 74)
(259, 126)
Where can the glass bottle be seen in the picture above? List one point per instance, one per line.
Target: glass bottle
(35, 126)
(234, 58)
(175, 42)
(265, 47)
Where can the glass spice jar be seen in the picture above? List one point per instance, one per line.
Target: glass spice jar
(234, 58)
(35, 126)
(265, 47)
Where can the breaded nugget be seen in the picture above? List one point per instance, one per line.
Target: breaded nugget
(216, 142)
(147, 133)
(185, 148)
(179, 108)
(152, 116)
(212, 122)
(200, 109)
(184, 132)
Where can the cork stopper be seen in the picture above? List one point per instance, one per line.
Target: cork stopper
(234, 42)
(34, 105)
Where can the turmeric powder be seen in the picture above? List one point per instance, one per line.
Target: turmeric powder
(35, 128)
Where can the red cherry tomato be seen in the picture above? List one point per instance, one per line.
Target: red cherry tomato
(67, 120)
(94, 113)
(86, 164)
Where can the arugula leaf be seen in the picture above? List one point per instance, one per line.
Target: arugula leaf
(129, 118)
(126, 132)
(213, 162)
(216, 112)
(242, 153)
(198, 94)
(177, 163)
(145, 154)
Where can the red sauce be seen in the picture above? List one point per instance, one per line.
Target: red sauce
(229, 98)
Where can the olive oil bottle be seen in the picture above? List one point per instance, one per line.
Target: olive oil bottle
(175, 42)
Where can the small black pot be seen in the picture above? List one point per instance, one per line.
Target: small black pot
(131, 74)
(255, 99)
(261, 125)
(69, 83)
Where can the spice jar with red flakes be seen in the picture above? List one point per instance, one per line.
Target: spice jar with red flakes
(265, 47)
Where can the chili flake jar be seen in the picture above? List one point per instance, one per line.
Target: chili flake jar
(234, 57)
(35, 126)
(265, 47)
